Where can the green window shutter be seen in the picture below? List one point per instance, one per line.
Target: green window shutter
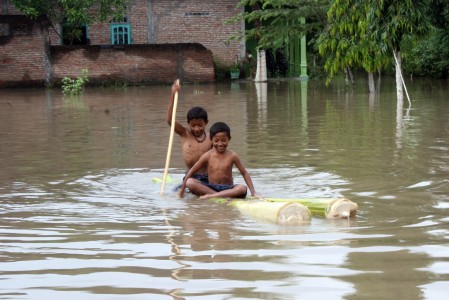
(120, 34)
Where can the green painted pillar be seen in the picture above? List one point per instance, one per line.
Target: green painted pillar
(303, 75)
(304, 113)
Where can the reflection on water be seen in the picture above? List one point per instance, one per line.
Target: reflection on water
(81, 218)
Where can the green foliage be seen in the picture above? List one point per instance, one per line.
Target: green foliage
(75, 86)
(235, 67)
(347, 40)
(440, 13)
(365, 33)
(272, 23)
(393, 22)
(428, 56)
(73, 13)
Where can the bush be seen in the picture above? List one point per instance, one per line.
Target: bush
(428, 57)
(75, 86)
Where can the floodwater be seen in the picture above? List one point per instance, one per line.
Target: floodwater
(82, 218)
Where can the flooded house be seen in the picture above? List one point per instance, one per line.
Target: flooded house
(155, 42)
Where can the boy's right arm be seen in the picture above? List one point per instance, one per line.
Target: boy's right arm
(182, 189)
(189, 174)
(192, 171)
(184, 182)
(179, 129)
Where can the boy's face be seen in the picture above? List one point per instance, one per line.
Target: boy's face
(220, 141)
(197, 127)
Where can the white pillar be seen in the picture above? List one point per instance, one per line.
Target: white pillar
(261, 72)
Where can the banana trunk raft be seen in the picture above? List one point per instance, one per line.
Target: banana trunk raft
(286, 211)
(331, 208)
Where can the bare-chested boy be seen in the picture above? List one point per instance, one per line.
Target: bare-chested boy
(194, 139)
(219, 162)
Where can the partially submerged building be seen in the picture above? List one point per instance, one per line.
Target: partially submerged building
(156, 42)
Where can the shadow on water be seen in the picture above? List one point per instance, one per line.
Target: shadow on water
(80, 216)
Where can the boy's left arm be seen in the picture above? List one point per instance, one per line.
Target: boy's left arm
(250, 185)
(246, 176)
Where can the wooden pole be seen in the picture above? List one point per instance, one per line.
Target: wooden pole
(170, 142)
(398, 67)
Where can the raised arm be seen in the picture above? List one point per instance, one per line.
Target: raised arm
(179, 128)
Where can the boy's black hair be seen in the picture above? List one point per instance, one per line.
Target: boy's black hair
(197, 113)
(220, 127)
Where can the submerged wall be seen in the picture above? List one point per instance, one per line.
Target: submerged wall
(161, 63)
(24, 51)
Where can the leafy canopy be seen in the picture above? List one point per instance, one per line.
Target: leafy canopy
(272, 23)
(348, 40)
(73, 13)
(365, 33)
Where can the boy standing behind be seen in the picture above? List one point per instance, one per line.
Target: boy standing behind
(219, 162)
(194, 140)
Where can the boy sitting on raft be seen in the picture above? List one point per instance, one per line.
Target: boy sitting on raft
(194, 140)
(219, 162)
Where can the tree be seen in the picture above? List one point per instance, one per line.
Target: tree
(429, 55)
(273, 23)
(398, 21)
(72, 13)
(347, 42)
(374, 27)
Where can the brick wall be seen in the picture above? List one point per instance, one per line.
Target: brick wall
(198, 21)
(22, 60)
(7, 8)
(171, 21)
(138, 17)
(135, 63)
(179, 21)
(153, 22)
(21, 51)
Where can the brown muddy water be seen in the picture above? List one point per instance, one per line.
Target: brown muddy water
(81, 218)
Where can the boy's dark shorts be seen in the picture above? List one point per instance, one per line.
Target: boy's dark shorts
(223, 187)
(203, 178)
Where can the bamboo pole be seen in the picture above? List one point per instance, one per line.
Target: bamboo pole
(398, 67)
(170, 142)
